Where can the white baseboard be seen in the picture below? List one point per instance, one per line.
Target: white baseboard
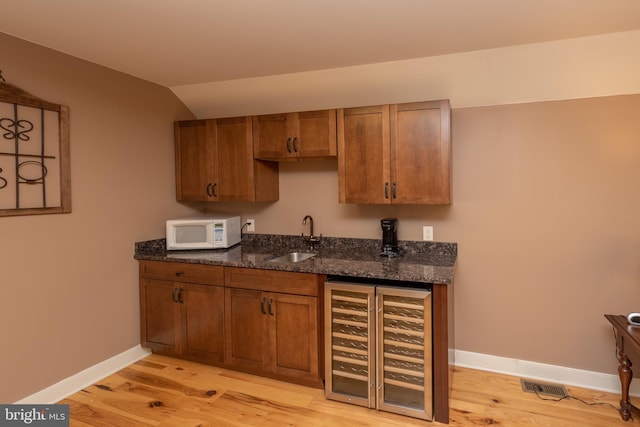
(484, 362)
(91, 375)
(543, 372)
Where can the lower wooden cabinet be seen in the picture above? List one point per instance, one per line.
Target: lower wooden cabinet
(272, 332)
(180, 318)
(272, 323)
(259, 321)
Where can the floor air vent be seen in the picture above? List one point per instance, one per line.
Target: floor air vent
(554, 390)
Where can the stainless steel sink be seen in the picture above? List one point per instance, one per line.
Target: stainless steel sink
(293, 257)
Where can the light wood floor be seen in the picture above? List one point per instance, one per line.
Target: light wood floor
(163, 391)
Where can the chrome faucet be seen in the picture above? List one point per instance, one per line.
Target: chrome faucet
(312, 240)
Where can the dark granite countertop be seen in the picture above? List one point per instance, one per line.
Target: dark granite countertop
(422, 262)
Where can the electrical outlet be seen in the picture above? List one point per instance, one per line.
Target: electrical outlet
(427, 232)
(251, 225)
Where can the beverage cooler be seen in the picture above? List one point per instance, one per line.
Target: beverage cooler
(378, 345)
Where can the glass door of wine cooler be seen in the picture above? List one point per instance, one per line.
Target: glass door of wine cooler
(350, 343)
(378, 349)
(404, 377)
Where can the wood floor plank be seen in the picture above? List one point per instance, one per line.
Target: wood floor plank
(217, 379)
(82, 414)
(168, 392)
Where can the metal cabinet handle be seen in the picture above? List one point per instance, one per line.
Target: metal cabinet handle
(386, 190)
(295, 144)
(270, 305)
(176, 295)
(393, 190)
(213, 188)
(264, 299)
(288, 145)
(209, 190)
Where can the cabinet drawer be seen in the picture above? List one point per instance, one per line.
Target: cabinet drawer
(272, 281)
(182, 272)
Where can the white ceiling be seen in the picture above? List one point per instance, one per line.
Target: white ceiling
(182, 42)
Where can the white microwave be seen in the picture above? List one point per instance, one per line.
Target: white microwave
(203, 233)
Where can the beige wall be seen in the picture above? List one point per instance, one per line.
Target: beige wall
(68, 282)
(543, 207)
(544, 212)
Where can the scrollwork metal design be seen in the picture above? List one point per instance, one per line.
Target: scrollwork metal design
(11, 130)
(3, 182)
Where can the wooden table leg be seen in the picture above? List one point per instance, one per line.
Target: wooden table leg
(625, 373)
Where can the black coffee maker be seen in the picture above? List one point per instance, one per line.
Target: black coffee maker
(389, 237)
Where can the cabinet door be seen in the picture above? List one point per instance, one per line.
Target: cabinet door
(316, 134)
(194, 158)
(233, 168)
(245, 329)
(295, 135)
(160, 316)
(293, 333)
(421, 152)
(271, 136)
(202, 321)
(363, 155)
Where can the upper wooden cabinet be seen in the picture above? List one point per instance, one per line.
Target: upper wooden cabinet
(397, 153)
(214, 162)
(293, 136)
